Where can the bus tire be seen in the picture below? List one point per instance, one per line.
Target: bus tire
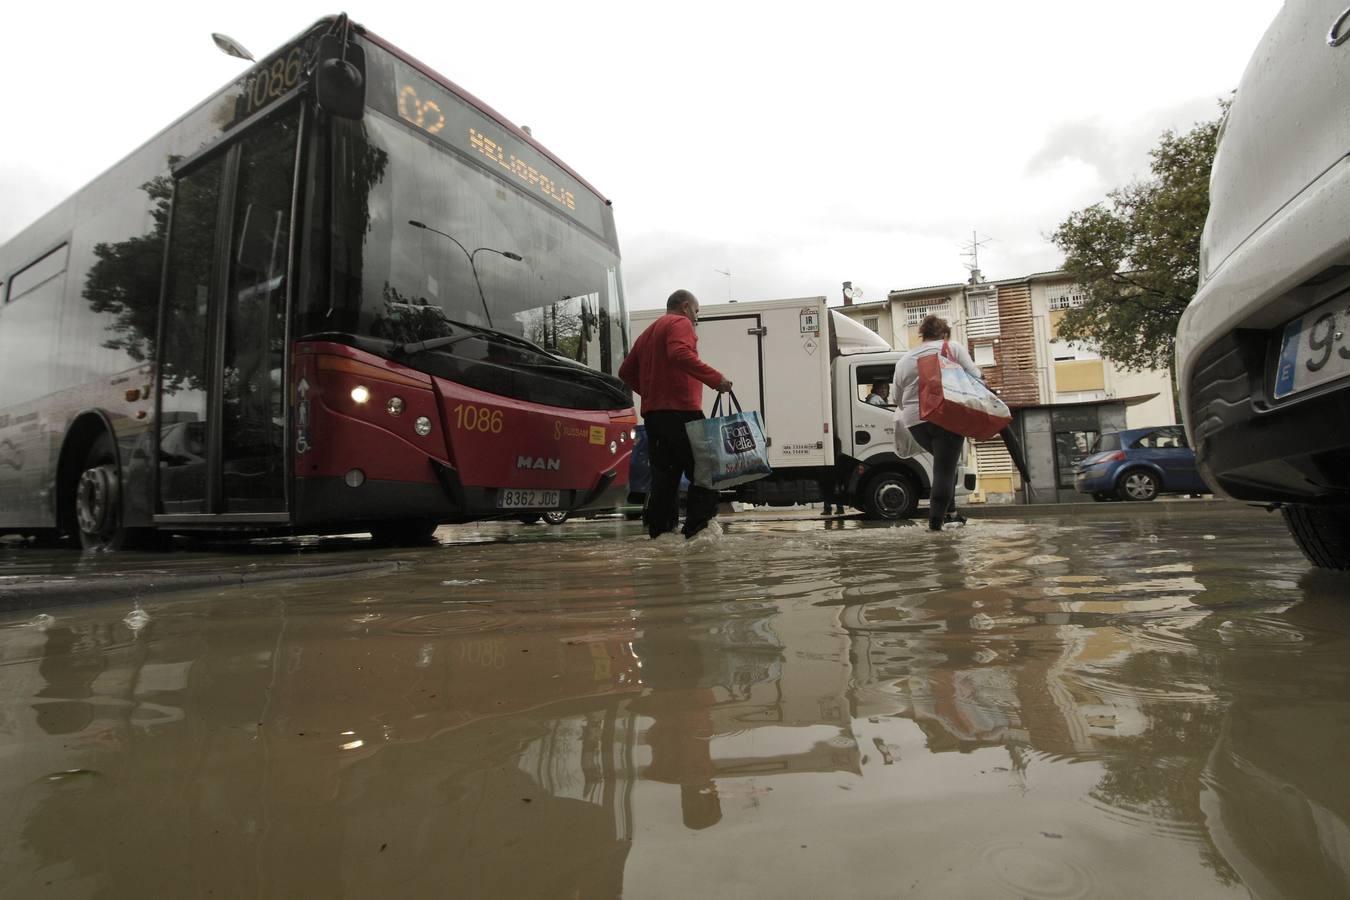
(404, 533)
(890, 495)
(97, 498)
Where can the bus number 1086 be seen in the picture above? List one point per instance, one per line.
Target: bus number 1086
(478, 418)
(271, 81)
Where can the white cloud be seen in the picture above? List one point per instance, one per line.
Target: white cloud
(798, 147)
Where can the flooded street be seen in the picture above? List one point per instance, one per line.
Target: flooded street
(1139, 704)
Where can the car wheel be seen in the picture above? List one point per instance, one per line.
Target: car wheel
(890, 495)
(528, 519)
(1322, 533)
(406, 533)
(555, 517)
(1102, 496)
(1137, 484)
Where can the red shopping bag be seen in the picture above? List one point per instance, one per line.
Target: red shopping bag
(952, 398)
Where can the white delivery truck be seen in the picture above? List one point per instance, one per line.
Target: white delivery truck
(808, 370)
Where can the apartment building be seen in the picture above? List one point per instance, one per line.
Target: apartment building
(1063, 395)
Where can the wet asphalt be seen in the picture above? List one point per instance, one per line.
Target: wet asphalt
(1097, 702)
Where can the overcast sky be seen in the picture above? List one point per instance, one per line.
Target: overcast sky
(794, 145)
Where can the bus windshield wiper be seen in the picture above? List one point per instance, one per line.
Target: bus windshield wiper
(556, 365)
(608, 382)
(440, 343)
(472, 331)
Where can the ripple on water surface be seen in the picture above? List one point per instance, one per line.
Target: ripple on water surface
(637, 714)
(1043, 870)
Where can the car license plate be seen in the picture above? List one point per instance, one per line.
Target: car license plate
(1315, 348)
(518, 499)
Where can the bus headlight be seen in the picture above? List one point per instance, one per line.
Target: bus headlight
(422, 426)
(395, 406)
(360, 394)
(613, 447)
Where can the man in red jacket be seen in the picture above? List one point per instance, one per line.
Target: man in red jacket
(664, 369)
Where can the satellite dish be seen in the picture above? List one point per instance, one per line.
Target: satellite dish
(230, 46)
(853, 293)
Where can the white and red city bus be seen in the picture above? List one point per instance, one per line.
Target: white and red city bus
(339, 295)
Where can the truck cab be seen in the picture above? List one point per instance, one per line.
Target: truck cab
(871, 476)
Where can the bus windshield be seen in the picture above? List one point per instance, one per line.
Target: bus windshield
(425, 240)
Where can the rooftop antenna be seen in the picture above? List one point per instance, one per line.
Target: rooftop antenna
(726, 272)
(971, 250)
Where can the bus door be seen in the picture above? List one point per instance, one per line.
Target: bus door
(222, 348)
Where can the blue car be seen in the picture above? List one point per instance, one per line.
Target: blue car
(639, 468)
(1139, 464)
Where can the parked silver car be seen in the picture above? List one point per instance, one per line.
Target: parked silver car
(1263, 352)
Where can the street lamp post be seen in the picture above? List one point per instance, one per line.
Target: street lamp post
(515, 257)
(231, 47)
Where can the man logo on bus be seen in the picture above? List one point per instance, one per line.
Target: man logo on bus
(540, 463)
(737, 438)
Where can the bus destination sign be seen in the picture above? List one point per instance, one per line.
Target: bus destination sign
(437, 112)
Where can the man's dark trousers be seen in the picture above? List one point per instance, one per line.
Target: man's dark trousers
(671, 457)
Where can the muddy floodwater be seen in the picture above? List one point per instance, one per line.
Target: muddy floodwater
(1150, 704)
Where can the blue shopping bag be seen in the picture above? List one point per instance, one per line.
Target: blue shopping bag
(728, 449)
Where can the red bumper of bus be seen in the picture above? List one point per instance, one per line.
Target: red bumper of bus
(375, 440)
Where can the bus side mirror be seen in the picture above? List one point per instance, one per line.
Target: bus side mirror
(339, 78)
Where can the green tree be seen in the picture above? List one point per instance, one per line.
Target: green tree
(1137, 255)
(125, 280)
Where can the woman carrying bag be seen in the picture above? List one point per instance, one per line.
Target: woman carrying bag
(945, 446)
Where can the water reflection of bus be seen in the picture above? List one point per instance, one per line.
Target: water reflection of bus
(460, 752)
(356, 294)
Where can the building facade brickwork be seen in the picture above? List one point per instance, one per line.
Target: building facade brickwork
(1063, 395)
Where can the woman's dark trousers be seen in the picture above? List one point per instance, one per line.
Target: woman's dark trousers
(946, 447)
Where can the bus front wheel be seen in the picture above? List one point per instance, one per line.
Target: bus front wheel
(98, 502)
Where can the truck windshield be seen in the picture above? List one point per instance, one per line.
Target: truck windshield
(423, 240)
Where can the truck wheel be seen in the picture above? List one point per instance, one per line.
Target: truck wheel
(890, 495)
(1137, 484)
(406, 533)
(1322, 533)
(98, 504)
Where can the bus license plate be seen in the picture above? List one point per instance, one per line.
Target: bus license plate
(1315, 349)
(515, 499)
